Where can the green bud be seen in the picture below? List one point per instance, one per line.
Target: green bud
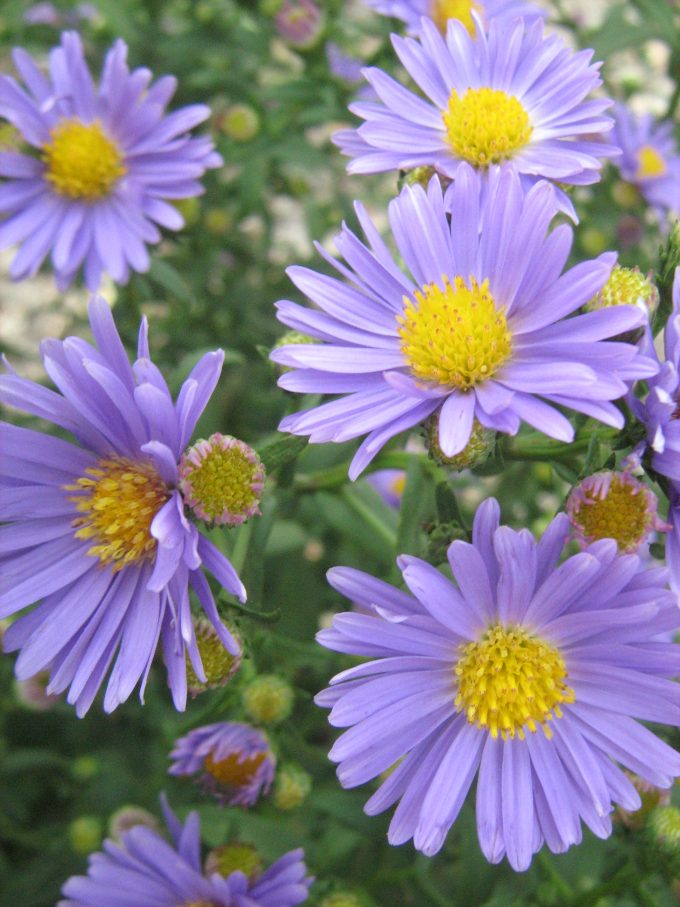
(240, 122)
(234, 857)
(128, 817)
(341, 899)
(663, 834)
(268, 699)
(291, 787)
(85, 767)
(218, 664)
(85, 834)
(627, 286)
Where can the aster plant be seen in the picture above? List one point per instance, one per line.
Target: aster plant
(104, 167)
(513, 97)
(527, 674)
(97, 531)
(474, 333)
(170, 874)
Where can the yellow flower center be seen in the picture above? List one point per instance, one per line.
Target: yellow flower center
(398, 484)
(650, 163)
(486, 126)
(118, 499)
(511, 680)
(622, 514)
(221, 479)
(443, 10)
(82, 161)
(625, 287)
(233, 771)
(454, 337)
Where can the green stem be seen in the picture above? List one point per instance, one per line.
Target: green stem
(368, 516)
(554, 876)
(524, 449)
(267, 617)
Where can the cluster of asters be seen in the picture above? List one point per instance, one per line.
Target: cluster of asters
(530, 670)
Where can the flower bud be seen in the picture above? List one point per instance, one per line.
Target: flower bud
(291, 787)
(128, 817)
(219, 665)
(268, 699)
(234, 857)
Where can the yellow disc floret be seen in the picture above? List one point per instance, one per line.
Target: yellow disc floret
(443, 10)
(454, 336)
(650, 163)
(118, 499)
(486, 126)
(233, 771)
(511, 680)
(82, 161)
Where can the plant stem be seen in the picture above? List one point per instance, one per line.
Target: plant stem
(366, 514)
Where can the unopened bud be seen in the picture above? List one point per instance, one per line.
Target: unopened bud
(268, 699)
(291, 787)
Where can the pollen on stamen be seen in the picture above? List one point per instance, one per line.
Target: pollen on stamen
(510, 681)
(221, 480)
(454, 337)
(443, 10)
(81, 160)
(117, 499)
(486, 126)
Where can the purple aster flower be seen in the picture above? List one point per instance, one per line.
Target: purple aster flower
(145, 868)
(233, 761)
(342, 65)
(650, 159)
(97, 529)
(440, 11)
(476, 332)
(107, 163)
(389, 483)
(524, 673)
(512, 97)
(659, 413)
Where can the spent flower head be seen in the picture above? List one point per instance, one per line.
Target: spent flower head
(232, 761)
(614, 505)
